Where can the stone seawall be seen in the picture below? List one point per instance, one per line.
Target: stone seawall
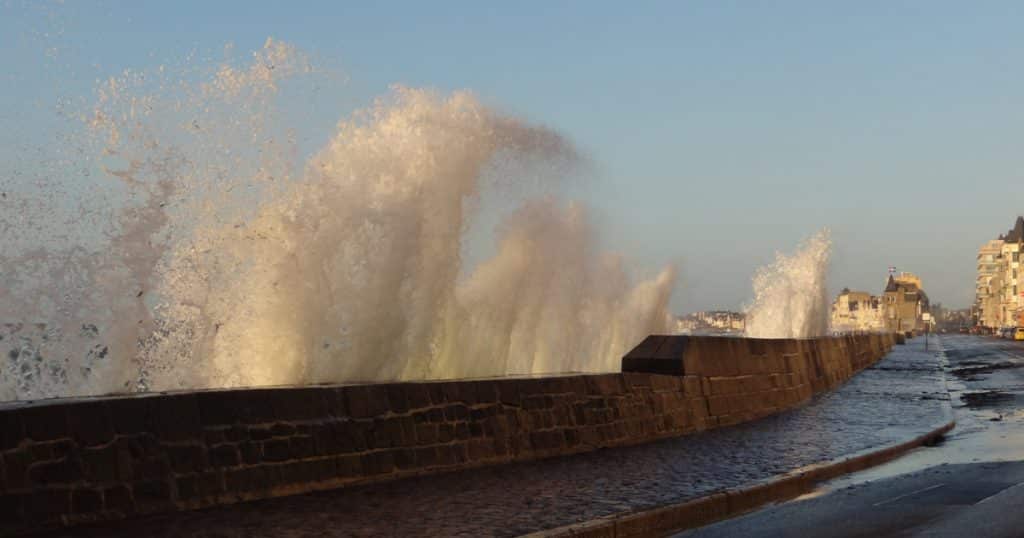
(75, 461)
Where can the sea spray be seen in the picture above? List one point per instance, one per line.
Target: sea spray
(218, 258)
(790, 294)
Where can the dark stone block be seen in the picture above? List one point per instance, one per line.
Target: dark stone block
(152, 491)
(605, 384)
(282, 429)
(353, 436)
(213, 437)
(188, 488)
(12, 429)
(426, 434)
(90, 423)
(405, 458)
(348, 466)
(426, 456)
(200, 486)
(236, 433)
(248, 479)
(276, 450)
(223, 408)
(456, 412)
(510, 391)
(86, 501)
(365, 401)
(445, 433)
(299, 403)
(436, 391)
(225, 455)
(260, 433)
(45, 422)
(176, 417)
(251, 452)
(462, 431)
(53, 450)
(129, 415)
(64, 471)
(47, 504)
(16, 466)
(436, 415)
(259, 408)
(12, 512)
(119, 499)
(337, 405)
(303, 447)
(398, 398)
(418, 395)
(379, 462)
(486, 391)
(101, 464)
(446, 455)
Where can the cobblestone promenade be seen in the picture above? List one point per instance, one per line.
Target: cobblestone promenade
(902, 396)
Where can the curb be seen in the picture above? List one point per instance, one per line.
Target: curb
(731, 503)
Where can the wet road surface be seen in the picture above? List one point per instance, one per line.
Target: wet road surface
(901, 397)
(970, 485)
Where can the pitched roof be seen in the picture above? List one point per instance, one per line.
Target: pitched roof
(1016, 235)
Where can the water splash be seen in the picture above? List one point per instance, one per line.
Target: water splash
(790, 294)
(219, 258)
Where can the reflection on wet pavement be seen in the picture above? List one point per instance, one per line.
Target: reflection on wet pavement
(986, 386)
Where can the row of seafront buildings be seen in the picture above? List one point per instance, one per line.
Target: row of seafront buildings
(899, 308)
(711, 321)
(998, 302)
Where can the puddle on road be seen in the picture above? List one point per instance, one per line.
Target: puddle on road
(987, 398)
(970, 370)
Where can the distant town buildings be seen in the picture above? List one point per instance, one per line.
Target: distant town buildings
(711, 321)
(997, 300)
(899, 308)
(905, 302)
(857, 311)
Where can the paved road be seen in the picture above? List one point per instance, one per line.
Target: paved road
(902, 397)
(971, 485)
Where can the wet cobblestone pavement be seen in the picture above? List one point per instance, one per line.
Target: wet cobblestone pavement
(902, 396)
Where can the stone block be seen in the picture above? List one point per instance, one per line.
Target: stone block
(225, 455)
(417, 395)
(175, 417)
(118, 499)
(378, 462)
(86, 501)
(16, 466)
(46, 505)
(12, 513)
(101, 465)
(366, 401)
(276, 450)
(12, 429)
(605, 384)
(247, 479)
(45, 422)
(302, 447)
(65, 471)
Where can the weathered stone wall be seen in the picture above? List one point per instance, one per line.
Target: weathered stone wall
(71, 462)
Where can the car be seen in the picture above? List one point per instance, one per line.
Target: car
(1018, 333)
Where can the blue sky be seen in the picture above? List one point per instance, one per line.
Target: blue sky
(721, 132)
